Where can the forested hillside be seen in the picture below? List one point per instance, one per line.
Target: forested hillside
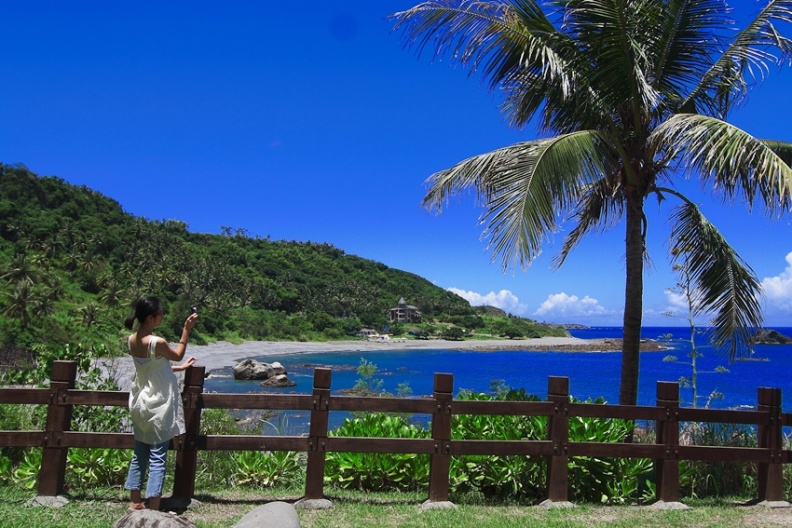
(72, 261)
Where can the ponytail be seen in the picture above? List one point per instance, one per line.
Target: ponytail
(144, 307)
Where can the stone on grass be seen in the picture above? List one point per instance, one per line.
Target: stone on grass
(58, 501)
(313, 504)
(773, 504)
(552, 505)
(673, 505)
(271, 515)
(152, 519)
(438, 505)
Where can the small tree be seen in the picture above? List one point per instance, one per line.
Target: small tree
(453, 333)
(367, 385)
(684, 288)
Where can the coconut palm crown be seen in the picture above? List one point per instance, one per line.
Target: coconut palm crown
(632, 95)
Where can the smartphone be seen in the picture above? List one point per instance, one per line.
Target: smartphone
(193, 309)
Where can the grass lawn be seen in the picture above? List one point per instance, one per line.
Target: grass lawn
(222, 508)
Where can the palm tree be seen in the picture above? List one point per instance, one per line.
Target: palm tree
(23, 270)
(631, 94)
(20, 303)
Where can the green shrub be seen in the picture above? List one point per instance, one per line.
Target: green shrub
(267, 469)
(375, 471)
(216, 468)
(6, 470)
(97, 467)
(502, 476)
(705, 478)
(26, 473)
(595, 479)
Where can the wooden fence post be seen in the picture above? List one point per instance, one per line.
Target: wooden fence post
(314, 478)
(187, 453)
(558, 432)
(52, 473)
(440, 461)
(667, 469)
(771, 477)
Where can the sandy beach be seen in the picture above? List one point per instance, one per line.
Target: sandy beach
(223, 354)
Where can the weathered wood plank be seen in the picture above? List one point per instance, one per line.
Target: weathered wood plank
(382, 445)
(500, 408)
(25, 396)
(502, 447)
(722, 416)
(623, 412)
(290, 402)
(22, 438)
(395, 405)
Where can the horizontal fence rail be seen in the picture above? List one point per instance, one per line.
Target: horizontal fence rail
(61, 397)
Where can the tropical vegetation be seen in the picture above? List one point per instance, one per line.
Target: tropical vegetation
(72, 262)
(634, 97)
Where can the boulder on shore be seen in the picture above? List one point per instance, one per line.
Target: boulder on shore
(770, 337)
(280, 380)
(250, 369)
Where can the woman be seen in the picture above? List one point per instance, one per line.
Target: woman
(154, 399)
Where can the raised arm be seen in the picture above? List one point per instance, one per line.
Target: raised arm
(176, 354)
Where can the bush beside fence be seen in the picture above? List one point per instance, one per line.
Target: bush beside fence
(667, 451)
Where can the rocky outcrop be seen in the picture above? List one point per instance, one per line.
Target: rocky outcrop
(250, 369)
(280, 380)
(770, 337)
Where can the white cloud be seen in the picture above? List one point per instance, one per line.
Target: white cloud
(676, 301)
(564, 308)
(778, 289)
(504, 299)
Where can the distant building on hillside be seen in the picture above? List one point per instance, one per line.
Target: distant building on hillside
(404, 313)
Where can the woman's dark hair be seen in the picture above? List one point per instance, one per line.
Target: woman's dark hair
(144, 307)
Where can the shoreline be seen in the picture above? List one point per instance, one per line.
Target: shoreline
(223, 354)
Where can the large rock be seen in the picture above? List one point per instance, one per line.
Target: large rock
(770, 337)
(271, 515)
(152, 519)
(250, 369)
(280, 380)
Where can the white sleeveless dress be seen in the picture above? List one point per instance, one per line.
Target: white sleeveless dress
(154, 400)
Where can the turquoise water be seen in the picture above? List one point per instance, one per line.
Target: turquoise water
(591, 374)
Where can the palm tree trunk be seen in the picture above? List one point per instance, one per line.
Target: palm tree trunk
(633, 301)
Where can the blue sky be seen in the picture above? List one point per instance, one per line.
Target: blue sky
(311, 121)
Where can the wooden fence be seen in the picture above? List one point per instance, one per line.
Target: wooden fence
(61, 397)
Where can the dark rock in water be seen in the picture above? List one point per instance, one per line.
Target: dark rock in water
(279, 380)
(250, 369)
(770, 337)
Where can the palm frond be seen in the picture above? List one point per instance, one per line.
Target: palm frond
(524, 188)
(601, 207)
(735, 162)
(782, 149)
(723, 283)
(683, 45)
(507, 41)
(615, 42)
(746, 59)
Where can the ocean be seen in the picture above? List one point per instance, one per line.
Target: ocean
(591, 375)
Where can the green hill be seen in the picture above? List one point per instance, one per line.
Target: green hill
(72, 262)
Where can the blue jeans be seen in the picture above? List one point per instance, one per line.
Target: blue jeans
(152, 457)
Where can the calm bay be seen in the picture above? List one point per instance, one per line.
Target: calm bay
(591, 374)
